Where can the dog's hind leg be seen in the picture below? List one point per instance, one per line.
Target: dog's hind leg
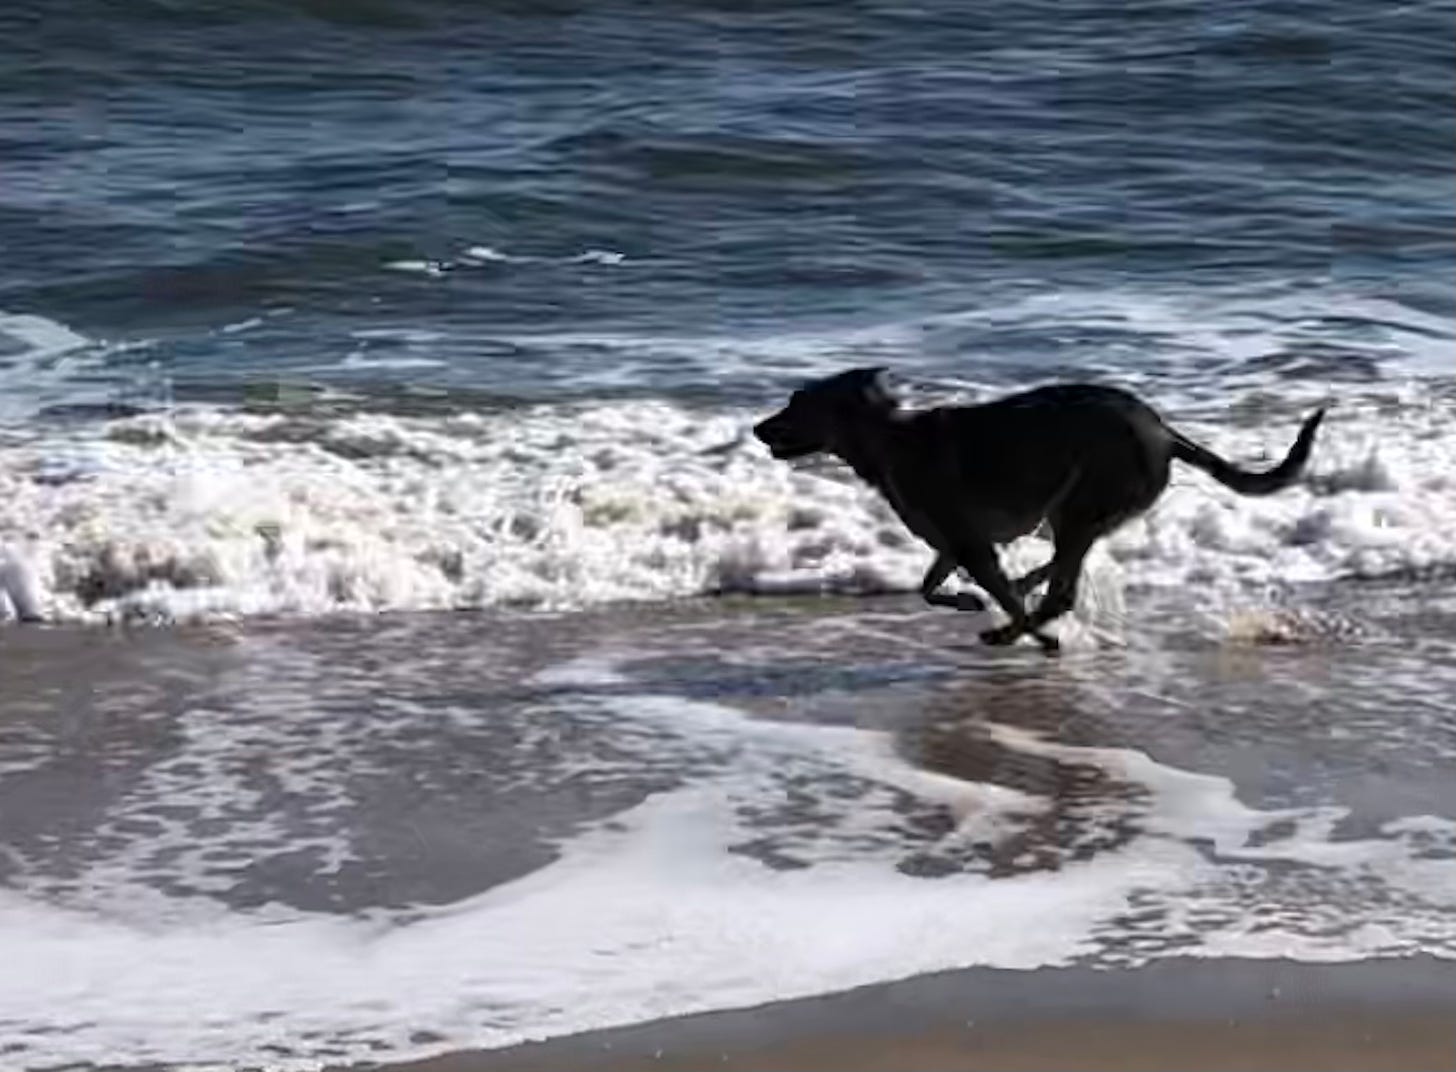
(1091, 511)
(1062, 591)
(935, 576)
(1029, 582)
(1066, 571)
(985, 569)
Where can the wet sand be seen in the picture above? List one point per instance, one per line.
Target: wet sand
(358, 786)
(1230, 1016)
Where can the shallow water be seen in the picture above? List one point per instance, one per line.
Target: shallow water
(344, 840)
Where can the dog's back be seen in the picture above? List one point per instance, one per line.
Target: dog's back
(1020, 451)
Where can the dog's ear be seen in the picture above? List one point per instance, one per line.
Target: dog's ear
(875, 384)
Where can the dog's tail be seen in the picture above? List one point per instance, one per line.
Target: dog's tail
(1241, 480)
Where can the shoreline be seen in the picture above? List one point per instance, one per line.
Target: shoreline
(1190, 1013)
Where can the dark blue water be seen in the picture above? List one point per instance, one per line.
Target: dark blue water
(692, 197)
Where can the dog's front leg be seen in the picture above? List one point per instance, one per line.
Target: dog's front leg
(1028, 583)
(984, 566)
(935, 576)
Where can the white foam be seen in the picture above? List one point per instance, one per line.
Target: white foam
(37, 357)
(600, 256)
(1375, 501)
(479, 255)
(653, 914)
(361, 359)
(550, 508)
(419, 267)
(40, 338)
(238, 326)
(485, 254)
(405, 335)
(20, 595)
(207, 513)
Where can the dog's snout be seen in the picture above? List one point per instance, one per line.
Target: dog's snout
(785, 437)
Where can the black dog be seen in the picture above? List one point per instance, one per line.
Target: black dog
(1081, 457)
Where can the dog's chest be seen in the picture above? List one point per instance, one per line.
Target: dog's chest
(918, 522)
(946, 515)
(1001, 526)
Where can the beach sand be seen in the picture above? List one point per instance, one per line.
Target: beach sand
(1226, 1015)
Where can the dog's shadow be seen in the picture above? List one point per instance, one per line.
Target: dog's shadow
(1081, 808)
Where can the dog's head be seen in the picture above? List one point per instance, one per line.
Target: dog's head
(818, 412)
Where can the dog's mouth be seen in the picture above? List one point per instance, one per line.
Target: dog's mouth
(784, 445)
(788, 452)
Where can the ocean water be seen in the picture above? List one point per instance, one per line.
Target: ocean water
(309, 308)
(324, 318)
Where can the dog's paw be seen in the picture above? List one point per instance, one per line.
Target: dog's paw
(1004, 634)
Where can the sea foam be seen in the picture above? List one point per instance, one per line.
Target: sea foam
(203, 512)
(660, 911)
